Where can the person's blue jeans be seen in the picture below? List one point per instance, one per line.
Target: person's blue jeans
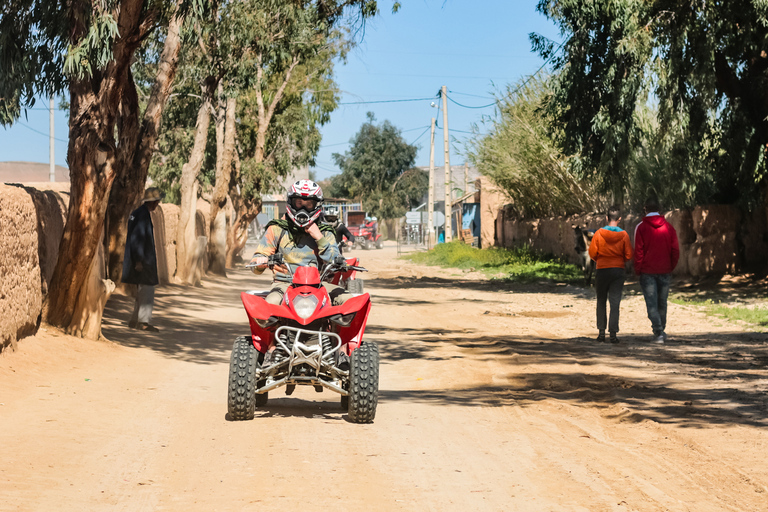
(656, 290)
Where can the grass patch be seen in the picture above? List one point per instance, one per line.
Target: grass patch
(756, 316)
(518, 264)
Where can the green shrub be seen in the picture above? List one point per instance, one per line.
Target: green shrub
(518, 264)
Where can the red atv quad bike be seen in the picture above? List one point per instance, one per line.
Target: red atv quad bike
(347, 278)
(316, 344)
(366, 234)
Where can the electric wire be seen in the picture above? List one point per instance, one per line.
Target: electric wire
(383, 101)
(530, 77)
(41, 133)
(420, 136)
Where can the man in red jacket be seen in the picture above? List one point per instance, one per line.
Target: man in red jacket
(656, 255)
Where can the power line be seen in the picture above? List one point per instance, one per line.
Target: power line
(422, 134)
(384, 101)
(473, 95)
(467, 106)
(41, 133)
(519, 86)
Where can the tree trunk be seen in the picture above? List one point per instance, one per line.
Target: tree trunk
(133, 167)
(245, 211)
(217, 245)
(92, 156)
(186, 239)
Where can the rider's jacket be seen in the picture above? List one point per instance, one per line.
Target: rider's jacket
(304, 251)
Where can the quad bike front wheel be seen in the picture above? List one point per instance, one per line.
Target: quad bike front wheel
(379, 243)
(364, 383)
(242, 399)
(355, 286)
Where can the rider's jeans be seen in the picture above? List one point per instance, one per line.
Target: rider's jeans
(337, 293)
(655, 290)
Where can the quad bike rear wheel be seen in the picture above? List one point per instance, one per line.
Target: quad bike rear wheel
(242, 399)
(364, 383)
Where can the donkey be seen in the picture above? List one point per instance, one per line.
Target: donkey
(583, 237)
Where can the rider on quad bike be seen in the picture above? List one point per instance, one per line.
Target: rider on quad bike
(305, 331)
(331, 216)
(300, 241)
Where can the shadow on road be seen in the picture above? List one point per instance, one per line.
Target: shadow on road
(196, 324)
(725, 375)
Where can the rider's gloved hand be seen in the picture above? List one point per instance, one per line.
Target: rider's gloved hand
(259, 260)
(314, 231)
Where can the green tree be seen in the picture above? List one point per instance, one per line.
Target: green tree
(378, 171)
(521, 155)
(701, 66)
(86, 48)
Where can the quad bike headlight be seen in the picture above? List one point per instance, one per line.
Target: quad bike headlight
(266, 323)
(343, 320)
(305, 305)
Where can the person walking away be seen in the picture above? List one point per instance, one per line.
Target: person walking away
(610, 249)
(656, 255)
(140, 260)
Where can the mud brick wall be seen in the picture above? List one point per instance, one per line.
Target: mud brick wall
(20, 290)
(714, 239)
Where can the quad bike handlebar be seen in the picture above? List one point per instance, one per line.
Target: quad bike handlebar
(339, 264)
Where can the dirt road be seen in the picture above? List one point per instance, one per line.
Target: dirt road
(493, 398)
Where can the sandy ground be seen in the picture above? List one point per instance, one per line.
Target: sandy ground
(493, 397)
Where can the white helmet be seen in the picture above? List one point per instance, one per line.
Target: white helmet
(331, 213)
(304, 202)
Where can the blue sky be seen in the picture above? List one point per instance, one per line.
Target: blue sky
(472, 46)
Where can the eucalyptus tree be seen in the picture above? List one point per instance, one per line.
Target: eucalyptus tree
(519, 152)
(86, 48)
(265, 53)
(377, 170)
(703, 66)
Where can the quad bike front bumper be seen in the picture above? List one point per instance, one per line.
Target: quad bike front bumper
(304, 357)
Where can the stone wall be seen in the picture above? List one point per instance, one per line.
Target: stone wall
(714, 239)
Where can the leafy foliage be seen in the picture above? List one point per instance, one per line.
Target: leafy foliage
(520, 154)
(378, 171)
(699, 67)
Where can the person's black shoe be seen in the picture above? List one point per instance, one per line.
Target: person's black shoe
(601, 338)
(614, 338)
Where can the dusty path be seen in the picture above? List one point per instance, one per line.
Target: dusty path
(493, 397)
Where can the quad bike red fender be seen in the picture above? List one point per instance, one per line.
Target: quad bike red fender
(259, 309)
(338, 277)
(352, 335)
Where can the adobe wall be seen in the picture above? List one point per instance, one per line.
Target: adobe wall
(32, 220)
(714, 239)
(20, 272)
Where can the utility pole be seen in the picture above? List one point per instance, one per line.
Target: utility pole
(466, 178)
(448, 228)
(52, 165)
(431, 200)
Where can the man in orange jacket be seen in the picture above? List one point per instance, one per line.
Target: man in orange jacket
(610, 249)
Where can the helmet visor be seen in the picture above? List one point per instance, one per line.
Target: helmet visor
(304, 203)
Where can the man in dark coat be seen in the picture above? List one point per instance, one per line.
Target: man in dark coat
(140, 260)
